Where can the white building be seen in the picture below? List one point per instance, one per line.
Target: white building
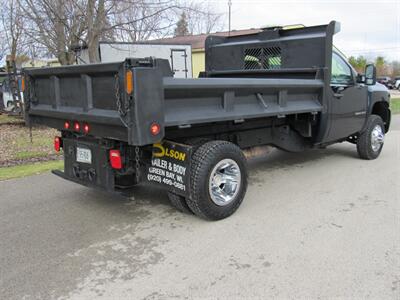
(179, 56)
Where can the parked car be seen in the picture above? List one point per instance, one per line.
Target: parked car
(386, 81)
(7, 98)
(130, 122)
(396, 82)
(6, 95)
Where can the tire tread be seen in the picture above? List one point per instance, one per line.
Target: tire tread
(200, 160)
(179, 202)
(364, 140)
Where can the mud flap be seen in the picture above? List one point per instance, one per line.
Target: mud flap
(169, 167)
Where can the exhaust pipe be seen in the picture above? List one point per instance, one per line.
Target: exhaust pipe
(257, 152)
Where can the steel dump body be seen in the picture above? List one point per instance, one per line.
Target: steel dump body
(208, 100)
(88, 93)
(241, 82)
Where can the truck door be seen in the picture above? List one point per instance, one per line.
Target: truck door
(179, 63)
(348, 101)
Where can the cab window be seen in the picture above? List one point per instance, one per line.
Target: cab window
(341, 72)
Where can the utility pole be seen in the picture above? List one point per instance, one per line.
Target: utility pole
(229, 4)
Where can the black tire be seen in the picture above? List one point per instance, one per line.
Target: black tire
(196, 142)
(204, 159)
(364, 144)
(179, 202)
(9, 104)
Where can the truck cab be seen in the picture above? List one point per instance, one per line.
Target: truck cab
(352, 100)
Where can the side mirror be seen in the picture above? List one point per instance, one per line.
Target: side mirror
(370, 74)
(360, 78)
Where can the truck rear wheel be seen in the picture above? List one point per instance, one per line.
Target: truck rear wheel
(218, 180)
(370, 142)
(179, 202)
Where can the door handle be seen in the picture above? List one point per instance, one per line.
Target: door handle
(338, 95)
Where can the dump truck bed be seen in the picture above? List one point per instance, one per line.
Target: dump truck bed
(273, 73)
(206, 100)
(95, 94)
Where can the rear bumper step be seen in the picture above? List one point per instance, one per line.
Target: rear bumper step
(127, 192)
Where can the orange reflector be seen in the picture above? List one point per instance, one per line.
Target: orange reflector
(77, 127)
(23, 84)
(57, 143)
(86, 128)
(129, 82)
(115, 159)
(155, 128)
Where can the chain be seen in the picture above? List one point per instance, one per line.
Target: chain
(31, 92)
(117, 95)
(137, 164)
(121, 110)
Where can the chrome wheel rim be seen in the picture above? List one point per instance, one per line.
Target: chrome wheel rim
(377, 138)
(224, 183)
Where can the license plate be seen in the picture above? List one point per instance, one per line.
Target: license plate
(83, 155)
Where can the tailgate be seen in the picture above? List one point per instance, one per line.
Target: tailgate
(95, 94)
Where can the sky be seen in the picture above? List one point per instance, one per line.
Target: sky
(368, 28)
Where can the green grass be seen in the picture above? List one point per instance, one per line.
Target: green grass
(37, 141)
(30, 169)
(395, 105)
(29, 154)
(5, 119)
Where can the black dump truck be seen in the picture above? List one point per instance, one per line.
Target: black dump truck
(125, 123)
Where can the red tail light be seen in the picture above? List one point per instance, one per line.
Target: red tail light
(155, 128)
(86, 128)
(77, 126)
(115, 159)
(67, 125)
(57, 143)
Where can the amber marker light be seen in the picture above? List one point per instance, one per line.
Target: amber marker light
(129, 82)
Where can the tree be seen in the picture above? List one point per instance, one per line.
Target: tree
(61, 25)
(12, 29)
(3, 47)
(395, 68)
(361, 63)
(353, 61)
(57, 25)
(96, 22)
(141, 20)
(381, 67)
(358, 63)
(181, 26)
(203, 17)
